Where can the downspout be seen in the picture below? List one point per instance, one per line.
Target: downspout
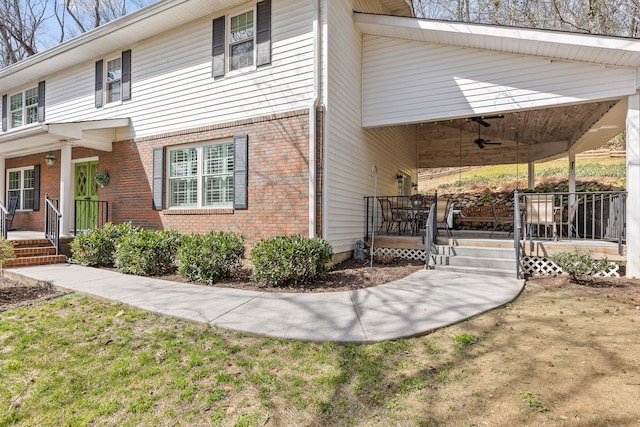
(316, 106)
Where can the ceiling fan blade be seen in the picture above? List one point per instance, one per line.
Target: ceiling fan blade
(492, 143)
(479, 121)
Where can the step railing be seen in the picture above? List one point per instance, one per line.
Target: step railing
(516, 234)
(3, 221)
(430, 232)
(52, 222)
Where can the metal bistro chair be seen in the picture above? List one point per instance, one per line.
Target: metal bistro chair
(540, 212)
(501, 215)
(391, 216)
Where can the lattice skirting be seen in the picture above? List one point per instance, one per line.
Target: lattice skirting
(544, 266)
(414, 254)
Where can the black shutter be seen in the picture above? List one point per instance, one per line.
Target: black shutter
(217, 47)
(4, 113)
(264, 33)
(126, 75)
(41, 101)
(98, 88)
(240, 171)
(158, 166)
(36, 187)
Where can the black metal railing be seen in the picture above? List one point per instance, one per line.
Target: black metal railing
(52, 222)
(430, 232)
(399, 215)
(3, 221)
(516, 234)
(90, 214)
(598, 215)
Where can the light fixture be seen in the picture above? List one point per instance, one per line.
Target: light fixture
(50, 159)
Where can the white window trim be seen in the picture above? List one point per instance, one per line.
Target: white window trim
(227, 45)
(199, 176)
(23, 97)
(105, 82)
(21, 189)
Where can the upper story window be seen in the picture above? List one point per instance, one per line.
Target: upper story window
(23, 108)
(113, 82)
(242, 41)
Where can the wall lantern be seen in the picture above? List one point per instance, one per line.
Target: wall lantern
(50, 159)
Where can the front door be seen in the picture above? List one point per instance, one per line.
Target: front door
(86, 195)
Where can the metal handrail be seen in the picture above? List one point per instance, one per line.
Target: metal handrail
(3, 221)
(430, 231)
(516, 233)
(52, 222)
(89, 214)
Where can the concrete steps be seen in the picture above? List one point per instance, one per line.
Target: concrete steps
(475, 258)
(33, 252)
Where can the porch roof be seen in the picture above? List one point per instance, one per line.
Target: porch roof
(42, 137)
(555, 91)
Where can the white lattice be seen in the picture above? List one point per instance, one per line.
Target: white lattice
(544, 266)
(414, 254)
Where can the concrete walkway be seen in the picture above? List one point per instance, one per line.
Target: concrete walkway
(424, 301)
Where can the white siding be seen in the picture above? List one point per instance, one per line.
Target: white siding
(408, 82)
(351, 151)
(172, 87)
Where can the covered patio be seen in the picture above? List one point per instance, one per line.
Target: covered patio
(486, 95)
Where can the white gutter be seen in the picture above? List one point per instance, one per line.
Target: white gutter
(317, 32)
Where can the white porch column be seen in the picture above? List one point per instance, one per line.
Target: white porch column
(531, 176)
(633, 186)
(3, 181)
(66, 190)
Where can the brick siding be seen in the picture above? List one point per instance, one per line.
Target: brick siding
(278, 186)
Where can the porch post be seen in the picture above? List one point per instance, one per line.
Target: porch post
(633, 186)
(3, 183)
(531, 176)
(572, 176)
(66, 185)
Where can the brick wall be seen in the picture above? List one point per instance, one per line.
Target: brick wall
(278, 186)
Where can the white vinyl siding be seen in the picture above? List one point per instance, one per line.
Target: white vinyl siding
(20, 183)
(201, 176)
(408, 82)
(351, 150)
(173, 86)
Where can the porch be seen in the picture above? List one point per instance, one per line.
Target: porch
(545, 224)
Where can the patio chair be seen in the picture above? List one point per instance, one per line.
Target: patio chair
(11, 209)
(442, 213)
(540, 212)
(570, 221)
(502, 215)
(391, 216)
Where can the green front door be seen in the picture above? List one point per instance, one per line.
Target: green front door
(86, 195)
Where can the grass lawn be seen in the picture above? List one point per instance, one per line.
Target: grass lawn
(555, 356)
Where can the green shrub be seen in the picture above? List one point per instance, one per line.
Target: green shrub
(97, 247)
(147, 252)
(290, 259)
(211, 256)
(579, 265)
(6, 251)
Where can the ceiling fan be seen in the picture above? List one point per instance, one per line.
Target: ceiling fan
(480, 120)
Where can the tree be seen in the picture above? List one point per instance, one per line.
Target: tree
(26, 26)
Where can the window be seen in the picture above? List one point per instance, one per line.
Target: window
(114, 80)
(241, 41)
(23, 108)
(201, 176)
(21, 183)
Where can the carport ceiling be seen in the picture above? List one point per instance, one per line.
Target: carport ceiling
(526, 136)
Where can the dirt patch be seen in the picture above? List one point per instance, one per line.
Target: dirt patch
(14, 294)
(345, 276)
(622, 289)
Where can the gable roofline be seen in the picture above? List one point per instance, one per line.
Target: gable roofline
(559, 45)
(146, 22)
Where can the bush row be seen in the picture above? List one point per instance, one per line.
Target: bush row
(207, 258)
